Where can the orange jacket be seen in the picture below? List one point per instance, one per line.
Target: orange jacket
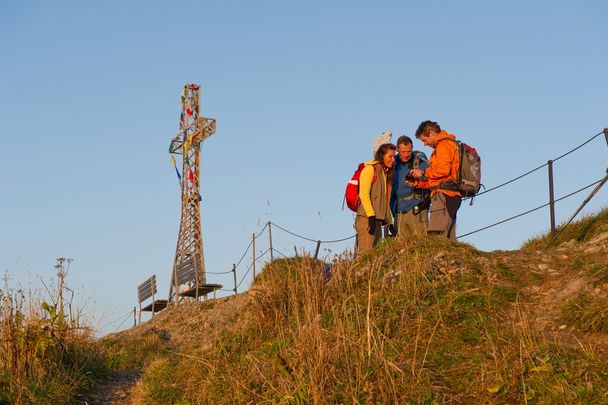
(443, 164)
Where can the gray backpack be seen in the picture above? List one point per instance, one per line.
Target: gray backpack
(468, 181)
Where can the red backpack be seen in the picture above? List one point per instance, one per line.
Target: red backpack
(351, 196)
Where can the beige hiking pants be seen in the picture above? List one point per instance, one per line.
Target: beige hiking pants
(364, 240)
(409, 224)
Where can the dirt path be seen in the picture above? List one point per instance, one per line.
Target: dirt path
(115, 389)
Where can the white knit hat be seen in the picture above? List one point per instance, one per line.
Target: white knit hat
(380, 140)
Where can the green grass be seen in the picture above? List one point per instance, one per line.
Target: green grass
(505, 271)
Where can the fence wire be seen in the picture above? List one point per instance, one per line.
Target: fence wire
(529, 211)
(539, 167)
(310, 239)
(281, 253)
(117, 319)
(250, 266)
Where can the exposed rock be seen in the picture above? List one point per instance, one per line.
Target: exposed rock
(598, 239)
(570, 289)
(571, 243)
(594, 249)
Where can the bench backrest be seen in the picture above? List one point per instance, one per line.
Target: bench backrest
(146, 289)
(186, 270)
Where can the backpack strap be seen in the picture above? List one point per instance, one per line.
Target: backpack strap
(375, 173)
(418, 157)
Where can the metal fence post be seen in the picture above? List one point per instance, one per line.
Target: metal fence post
(270, 239)
(234, 276)
(551, 197)
(317, 249)
(253, 250)
(134, 317)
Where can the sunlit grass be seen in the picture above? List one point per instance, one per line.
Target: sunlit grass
(430, 321)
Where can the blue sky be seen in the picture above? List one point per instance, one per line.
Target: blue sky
(89, 100)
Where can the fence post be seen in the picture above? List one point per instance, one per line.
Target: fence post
(134, 317)
(551, 197)
(606, 135)
(270, 239)
(253, 252)
(234, 276)
(317, 249)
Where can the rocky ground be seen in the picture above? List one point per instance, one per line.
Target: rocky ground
(562, 274)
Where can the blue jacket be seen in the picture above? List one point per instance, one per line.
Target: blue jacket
(404, 197)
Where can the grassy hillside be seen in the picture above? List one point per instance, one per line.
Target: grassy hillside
(426, 322)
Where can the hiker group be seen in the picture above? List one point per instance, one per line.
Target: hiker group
(402, 193)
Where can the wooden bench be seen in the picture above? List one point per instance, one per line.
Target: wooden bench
(146, 290)
(192, 282)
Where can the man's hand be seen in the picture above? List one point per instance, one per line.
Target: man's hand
(371, 225)
(412, 177)
(416, 173)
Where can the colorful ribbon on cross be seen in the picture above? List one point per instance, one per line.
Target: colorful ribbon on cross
(174, 163)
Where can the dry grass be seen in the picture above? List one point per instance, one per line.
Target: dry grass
(426, 322)
(46, 355)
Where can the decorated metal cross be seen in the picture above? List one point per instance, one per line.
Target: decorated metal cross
(188, 279)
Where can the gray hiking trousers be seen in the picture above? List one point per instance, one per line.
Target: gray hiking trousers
(443, 215)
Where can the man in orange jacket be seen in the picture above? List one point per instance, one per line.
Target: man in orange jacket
(443, 168)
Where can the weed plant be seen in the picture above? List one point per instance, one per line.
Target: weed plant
(47, 356)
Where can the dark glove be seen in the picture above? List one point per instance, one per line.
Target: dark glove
(392, 230)
(371, 225)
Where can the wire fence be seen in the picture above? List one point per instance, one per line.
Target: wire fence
(271, 250)
(123, 318)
